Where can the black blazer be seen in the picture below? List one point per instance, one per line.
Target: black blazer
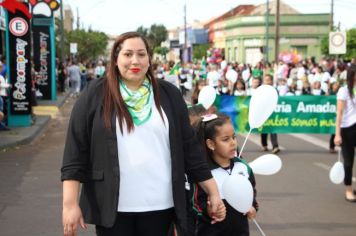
(91, 155)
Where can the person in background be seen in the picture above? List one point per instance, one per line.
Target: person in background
(268, 80)
(99, 70)
(2, 116)
(334, 88)
(345, 130)
(61, 76)
(239, 88)
(74, 75)
(217, 135)
(83, 75)
(3, 70)
(123, 128)
(3, 103)
(256, 82)
(199, 85)
(90, 72)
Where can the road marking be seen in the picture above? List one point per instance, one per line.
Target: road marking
(256, 139)
(322, 166)
(45, 110)
(327, 168)
(317, 142)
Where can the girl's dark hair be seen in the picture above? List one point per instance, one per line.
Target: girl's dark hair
(196, 91)
(207, 130)
(351, 74)
(113, 101)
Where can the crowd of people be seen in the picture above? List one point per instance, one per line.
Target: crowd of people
(4, 86)
(306, 77)
(74, 75)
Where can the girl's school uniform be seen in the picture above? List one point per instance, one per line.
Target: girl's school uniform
(235, 223)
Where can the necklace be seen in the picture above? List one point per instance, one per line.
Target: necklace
(228, 169)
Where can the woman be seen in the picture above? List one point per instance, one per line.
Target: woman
(129, 142)
(345, 133)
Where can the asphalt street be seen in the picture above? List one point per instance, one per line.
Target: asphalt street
(299, 200)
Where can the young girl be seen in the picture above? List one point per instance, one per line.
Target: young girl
(218, 137)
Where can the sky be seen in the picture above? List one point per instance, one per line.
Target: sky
(117, 16)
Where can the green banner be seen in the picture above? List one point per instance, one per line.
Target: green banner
(293, 114)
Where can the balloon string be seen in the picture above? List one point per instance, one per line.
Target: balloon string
(258, 226)
(249, 132)
(339, 154)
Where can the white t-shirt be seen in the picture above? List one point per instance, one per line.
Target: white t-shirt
(145, 166)
(213, 78)
(349, 115)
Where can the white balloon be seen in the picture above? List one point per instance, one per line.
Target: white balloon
(207, 96)
(337, 173)
(238, 192)
(231, 75)
(187, 85)
(262, 104)
(268, 164)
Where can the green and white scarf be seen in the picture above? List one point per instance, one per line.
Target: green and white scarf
(139, 102)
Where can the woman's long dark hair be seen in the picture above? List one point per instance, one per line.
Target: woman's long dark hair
(351, 74)
(207, 130)
(113, 100)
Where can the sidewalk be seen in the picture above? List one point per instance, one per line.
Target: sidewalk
(23, 135)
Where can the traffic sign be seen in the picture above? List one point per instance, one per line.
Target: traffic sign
(18, 26)
(337, 42)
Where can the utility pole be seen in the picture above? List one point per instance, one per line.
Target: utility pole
(78, 19)
(62, 33)
(332, 16)
(185, 49)
(276, 43)
(267, 28)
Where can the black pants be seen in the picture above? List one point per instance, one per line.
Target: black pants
(331, 142)
(235, 224)
(152, 223)
(274, 140)
(348, 145)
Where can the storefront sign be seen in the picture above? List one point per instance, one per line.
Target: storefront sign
(20, 63)
(42, 59)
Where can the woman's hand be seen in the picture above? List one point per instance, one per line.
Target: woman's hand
(216, 209)
(338, 140)
(251, 214)
(72, 217)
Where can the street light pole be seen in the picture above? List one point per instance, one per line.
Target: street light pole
(332, 16)
(267, 30)
(185, 49)
(276, 43)
(62, 33)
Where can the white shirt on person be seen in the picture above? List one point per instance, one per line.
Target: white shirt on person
(145, 166)
(3, 86)
(349, 114)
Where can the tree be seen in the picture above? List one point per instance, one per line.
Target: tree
(143, 31)
(161, 50)
(199, 51)
(157, 34)
(91, 44)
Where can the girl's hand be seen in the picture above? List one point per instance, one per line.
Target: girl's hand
(251, 214)
(72, 217)
(338, 140)
(216, 209)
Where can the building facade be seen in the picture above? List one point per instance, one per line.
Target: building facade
(243, 36)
